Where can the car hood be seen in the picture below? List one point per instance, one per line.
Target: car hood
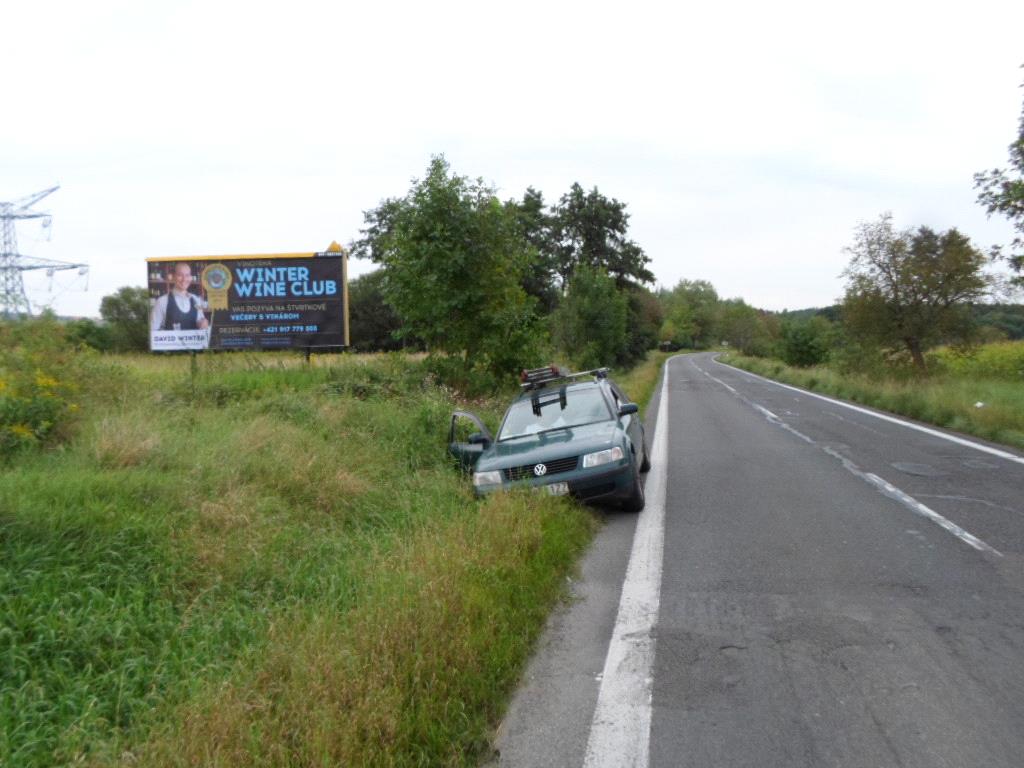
(546, 446)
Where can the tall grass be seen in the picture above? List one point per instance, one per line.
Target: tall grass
(269, 564)
(971, 399)
(409, 674)
(640, 382)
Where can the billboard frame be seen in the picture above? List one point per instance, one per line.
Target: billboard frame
(214, 286)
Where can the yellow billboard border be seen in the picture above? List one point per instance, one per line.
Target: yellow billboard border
(240, 256)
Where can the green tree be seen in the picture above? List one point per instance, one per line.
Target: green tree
(690, 310)
(454, 259)
(1002, 191)
(643, 321)
(1008, 319)
(589, 326)
(374, 324)
(589, 229)
(744, 327)
(806, 341)
(126, 313)
(911, 289)
(536, 227)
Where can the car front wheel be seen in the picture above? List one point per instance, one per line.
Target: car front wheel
(635, 501)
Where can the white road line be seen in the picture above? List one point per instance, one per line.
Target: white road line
(968, 538)
(880, 483)
(892, 419)
(620, 732)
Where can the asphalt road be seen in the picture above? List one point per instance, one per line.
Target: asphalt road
(835, 590)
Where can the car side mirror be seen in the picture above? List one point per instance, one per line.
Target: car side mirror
(479, 438)
(466, 454)
(627, 409)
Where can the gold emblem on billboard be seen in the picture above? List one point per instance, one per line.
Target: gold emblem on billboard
(216, 279)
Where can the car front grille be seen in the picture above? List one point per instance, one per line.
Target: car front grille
(554, 467)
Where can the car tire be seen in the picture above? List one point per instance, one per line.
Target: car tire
(645, 465)
(635, 501)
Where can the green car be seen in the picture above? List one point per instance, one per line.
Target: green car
(567, 433)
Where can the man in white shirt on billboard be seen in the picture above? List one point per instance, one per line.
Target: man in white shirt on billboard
(179, 310)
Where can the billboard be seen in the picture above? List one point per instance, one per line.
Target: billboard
(268, 301)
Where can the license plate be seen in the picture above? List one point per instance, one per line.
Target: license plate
(558, 489)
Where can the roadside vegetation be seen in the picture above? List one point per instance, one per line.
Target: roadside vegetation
(642, 380)
(980, 392)
(271, 563)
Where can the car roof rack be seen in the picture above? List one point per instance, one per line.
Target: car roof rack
(534, 378)
(537, 403)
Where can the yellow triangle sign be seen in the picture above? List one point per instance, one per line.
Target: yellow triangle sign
(334, 247)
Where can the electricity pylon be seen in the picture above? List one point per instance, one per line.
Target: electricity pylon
(13, 299)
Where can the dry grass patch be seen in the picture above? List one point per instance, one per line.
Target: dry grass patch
(124, 441)
(416, 672)
(224, 536)
(339, 483)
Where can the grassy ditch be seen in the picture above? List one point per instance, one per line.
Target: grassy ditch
(271, 564)
(975, 398)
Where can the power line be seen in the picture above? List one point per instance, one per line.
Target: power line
(13, 299)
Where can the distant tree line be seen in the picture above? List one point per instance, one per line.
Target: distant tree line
(906, 291)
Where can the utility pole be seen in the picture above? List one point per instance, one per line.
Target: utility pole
(13, 299)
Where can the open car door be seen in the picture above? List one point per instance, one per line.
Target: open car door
(467, 439)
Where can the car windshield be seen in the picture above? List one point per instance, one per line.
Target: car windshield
(582, 406)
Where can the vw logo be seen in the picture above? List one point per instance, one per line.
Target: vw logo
(540, 470)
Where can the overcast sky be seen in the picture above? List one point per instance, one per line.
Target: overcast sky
(747, 139)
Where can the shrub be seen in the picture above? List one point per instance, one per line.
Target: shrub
(35, 383)
(1001, 360)
(806, 342)
(89, 333)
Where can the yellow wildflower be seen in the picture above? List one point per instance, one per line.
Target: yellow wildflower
(22, 430)
(44, 381)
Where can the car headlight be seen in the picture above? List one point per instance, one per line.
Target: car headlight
(487, 478)
(603, 457)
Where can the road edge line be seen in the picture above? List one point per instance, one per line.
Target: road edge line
(620, 730)
(880, 483)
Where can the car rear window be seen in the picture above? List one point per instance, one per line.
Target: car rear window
(582, 406)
